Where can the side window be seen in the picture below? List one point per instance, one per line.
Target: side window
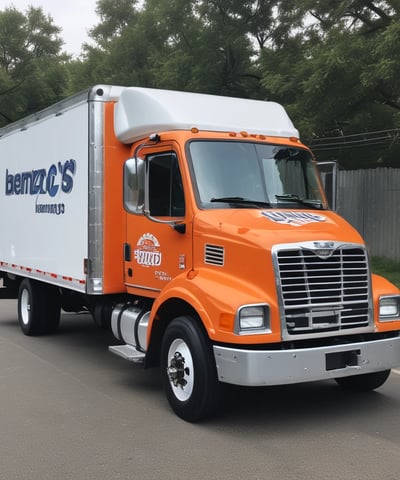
(165, 186)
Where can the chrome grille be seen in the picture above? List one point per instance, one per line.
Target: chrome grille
(324, 294)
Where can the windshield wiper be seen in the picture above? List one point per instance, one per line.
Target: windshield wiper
(240, 201)
(291, 197)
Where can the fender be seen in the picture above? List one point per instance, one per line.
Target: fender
(382, 286)
(216, 296)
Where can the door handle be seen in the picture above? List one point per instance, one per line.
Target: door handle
(127, 252)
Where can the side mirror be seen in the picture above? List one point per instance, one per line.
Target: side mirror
(134, 185)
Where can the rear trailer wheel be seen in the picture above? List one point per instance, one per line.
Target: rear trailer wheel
(364, 382)
(38, 308)
(188, 370)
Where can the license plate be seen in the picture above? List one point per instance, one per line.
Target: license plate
(340, 360)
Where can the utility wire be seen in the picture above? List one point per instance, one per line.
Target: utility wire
(356, 140)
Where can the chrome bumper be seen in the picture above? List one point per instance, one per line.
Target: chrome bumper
(281, 367)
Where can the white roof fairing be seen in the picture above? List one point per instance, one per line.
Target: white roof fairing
(142, 111)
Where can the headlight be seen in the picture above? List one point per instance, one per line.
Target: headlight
(389, 308)
(252, 319)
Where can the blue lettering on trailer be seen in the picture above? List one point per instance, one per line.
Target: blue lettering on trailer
(52, 208)
(58, 178)
(53, 181)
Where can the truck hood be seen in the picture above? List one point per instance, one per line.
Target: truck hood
(265, 228)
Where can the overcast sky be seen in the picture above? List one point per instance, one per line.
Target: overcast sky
(75, 17)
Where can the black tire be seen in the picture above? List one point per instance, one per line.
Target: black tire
(52, 299)
(364, 382)
(38, 308)
(101, 314)
(188, 370)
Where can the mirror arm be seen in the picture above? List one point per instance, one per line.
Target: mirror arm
(177, 225)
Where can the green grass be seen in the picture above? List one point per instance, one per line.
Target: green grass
(387, 268)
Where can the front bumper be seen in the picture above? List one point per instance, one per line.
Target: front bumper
(281, 367)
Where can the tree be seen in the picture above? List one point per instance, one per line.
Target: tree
(196, 45)
(332, 63)
(114, 15)
(32, 69)
(341, 72)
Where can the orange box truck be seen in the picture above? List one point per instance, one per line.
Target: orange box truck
(196, 228)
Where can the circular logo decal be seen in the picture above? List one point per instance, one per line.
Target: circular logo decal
(147, 251)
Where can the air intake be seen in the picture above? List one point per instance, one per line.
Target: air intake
(214, 255)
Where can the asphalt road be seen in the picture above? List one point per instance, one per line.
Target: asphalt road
(69, 409)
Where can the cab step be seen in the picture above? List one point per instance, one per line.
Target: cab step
(128, 352)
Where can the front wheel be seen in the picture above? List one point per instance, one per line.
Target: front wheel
(364, 382)
(188, 370)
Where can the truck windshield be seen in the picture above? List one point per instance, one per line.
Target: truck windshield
(254, 175)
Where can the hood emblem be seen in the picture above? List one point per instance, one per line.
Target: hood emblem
(294, 219)
(323, 250)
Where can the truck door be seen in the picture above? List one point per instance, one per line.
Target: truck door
(158, 243)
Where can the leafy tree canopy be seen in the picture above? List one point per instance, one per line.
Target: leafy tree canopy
(340, 71)
(32, 69)
(332, 63)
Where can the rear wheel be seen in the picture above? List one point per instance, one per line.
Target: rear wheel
(38, 308)
(364, 382)
(188, 370)
(101, 314)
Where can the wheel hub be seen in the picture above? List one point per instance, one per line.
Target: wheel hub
(177, 370)
(25, 307)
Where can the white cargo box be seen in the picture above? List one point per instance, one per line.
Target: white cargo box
(51, 180)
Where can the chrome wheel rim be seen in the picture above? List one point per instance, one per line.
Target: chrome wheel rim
(180, 370)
